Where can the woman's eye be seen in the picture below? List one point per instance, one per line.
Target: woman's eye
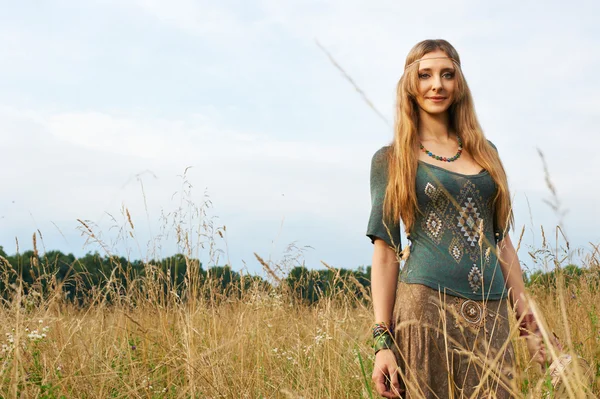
(448, 75)
(423, 76)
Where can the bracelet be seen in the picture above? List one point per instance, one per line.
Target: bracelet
(380, 329)
(382, 337)
(383, 341)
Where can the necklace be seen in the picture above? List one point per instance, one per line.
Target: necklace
(444, 159)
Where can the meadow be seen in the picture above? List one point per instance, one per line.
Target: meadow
(148, 337)
(182, 328)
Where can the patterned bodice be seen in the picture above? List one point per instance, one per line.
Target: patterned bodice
(453, 238)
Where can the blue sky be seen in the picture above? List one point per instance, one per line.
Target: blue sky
(99, 96)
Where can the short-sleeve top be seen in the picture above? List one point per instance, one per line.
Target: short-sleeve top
(453, 239)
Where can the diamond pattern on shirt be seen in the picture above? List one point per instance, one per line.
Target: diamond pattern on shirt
(469, 221)
(434, 225)
(475, 279)
(430, 190)
(456, 249)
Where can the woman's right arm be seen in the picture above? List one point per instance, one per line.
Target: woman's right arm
(384, 281)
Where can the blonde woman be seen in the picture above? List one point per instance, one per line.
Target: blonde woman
(441, 324)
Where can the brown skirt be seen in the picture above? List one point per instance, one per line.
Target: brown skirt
(450, 347)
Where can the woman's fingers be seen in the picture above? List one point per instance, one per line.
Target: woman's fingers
(379, 381)
(537, 349)
(395, 384)
(385, 375)
(384, 385)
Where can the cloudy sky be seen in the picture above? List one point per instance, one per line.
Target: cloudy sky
(105, 103)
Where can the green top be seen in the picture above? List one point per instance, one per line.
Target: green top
(446, 252)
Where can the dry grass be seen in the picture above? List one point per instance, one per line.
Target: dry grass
(259, 343)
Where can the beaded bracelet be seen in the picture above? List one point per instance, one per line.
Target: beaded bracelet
(380, 328)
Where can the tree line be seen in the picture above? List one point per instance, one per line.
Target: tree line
(81, 278)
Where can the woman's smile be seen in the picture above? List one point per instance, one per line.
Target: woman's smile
(436, 99)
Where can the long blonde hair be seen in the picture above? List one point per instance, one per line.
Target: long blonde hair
(401, 197)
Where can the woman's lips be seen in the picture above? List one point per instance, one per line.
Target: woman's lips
(436, 99)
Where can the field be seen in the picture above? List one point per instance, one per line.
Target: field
(153, 335)
(252, 340)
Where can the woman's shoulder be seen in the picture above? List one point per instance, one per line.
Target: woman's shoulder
(493, 145)
(381, 155)
(379, 165)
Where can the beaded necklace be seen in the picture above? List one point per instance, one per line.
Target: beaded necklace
(444, 159)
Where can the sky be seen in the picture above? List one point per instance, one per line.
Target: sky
(205, 114)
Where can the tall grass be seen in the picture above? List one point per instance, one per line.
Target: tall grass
(251, 340)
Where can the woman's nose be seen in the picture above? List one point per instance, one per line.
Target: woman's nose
(437, 83)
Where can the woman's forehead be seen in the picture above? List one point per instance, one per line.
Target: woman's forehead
(437, 61)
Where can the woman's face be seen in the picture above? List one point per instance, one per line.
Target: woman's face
(437, 82)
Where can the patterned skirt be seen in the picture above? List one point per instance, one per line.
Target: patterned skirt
(450, 347)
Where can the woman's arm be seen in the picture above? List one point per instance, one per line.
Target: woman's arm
(384, 281)
(513, 275)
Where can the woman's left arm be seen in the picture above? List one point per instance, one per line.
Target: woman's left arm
(513, 275)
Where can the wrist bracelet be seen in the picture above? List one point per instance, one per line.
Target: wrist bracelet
(383, 341)
(380, 328)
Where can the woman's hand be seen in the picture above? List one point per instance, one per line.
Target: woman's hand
(530, 329)
(385, 375)
(537, 349)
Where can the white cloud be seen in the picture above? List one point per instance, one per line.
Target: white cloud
(106, 145)
(196, 139)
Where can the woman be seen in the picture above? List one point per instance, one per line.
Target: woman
(442, 327)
